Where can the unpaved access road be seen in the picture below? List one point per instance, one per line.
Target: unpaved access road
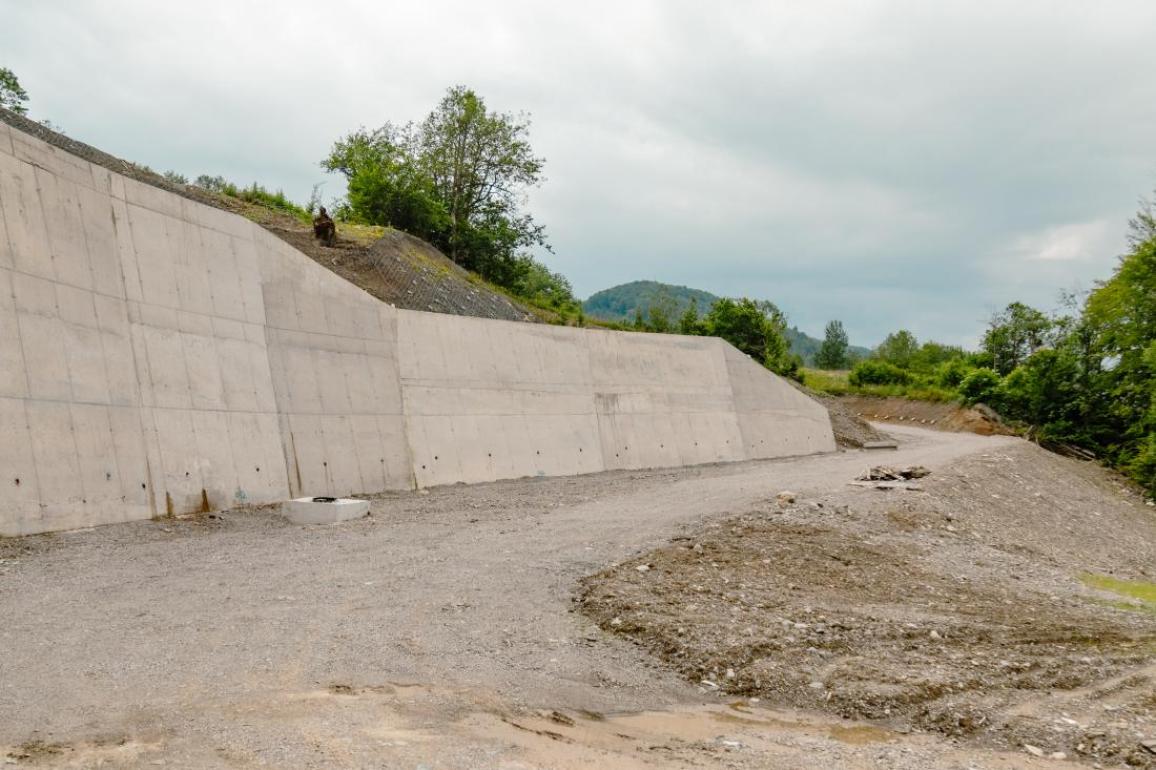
(439, 633)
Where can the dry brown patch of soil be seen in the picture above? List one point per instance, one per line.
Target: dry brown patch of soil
(928, 414)
(955, 610)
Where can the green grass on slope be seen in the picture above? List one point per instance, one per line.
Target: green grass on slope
(1142, 594)
(835, 383)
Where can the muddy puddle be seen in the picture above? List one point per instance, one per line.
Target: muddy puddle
(415, 726)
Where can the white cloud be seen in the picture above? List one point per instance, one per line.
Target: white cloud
(1036, 267)
(1076, 242)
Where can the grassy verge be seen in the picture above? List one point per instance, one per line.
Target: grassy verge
(835, 383)
(1141, 595)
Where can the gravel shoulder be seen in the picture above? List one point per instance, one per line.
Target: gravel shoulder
(443, 630)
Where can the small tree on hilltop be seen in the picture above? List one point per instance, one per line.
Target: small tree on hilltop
(833, 352)
(480, 162)
(386, 184)
(689, 323)
(660, 314)
(899, 348)
(457, 179)
(12, 96)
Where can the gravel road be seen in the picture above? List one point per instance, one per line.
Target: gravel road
(439, 632)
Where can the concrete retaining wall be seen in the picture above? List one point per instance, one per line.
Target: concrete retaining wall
(160, 356)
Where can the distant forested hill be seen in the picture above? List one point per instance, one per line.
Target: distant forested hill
(621, 303)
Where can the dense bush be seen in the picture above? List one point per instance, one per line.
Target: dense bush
(981, 385)
(756, 327)
(950, 374)
(12, 96)
(536, 283)
(1087, 378)
(876, 372)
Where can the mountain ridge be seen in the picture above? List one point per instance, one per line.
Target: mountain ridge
(622, 302)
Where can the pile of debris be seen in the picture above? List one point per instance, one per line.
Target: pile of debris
(886, 477)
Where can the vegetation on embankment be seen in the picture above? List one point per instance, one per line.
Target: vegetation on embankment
(1084, 378)
(458, 180)
(837, 383)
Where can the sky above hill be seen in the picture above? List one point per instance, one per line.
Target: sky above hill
(891, 164)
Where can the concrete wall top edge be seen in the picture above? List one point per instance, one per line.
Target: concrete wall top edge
(692, 342)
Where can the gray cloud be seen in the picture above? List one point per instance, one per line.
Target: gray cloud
(892, 164)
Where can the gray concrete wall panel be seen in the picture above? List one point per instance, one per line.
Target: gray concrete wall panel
(775, 418)
(332, 355)
(158, 356)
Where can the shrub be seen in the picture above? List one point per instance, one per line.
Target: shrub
(215, 184)
(789, 365)
(875, 372)
(980, 385)
(1142, 466)
(823, 381)
(951, 373)
(255, 193)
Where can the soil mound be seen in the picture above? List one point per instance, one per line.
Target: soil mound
(851, 430)
(974, 608)
(406, 272)
(950, 417)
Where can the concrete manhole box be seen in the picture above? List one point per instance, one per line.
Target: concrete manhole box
(323, 510)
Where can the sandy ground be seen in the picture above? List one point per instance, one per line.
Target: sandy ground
(442, 632)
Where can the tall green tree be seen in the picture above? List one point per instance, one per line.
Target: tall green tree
(931, 354)
(689, 322)
(660, 313)
(1089, 378)
(457, 179)
(833, 352)
(481, 163)
(386, 184)
(1014, 334)
(1122, 311)
(12, 96)
(756, 327)
(1142, 227)
(898, 348)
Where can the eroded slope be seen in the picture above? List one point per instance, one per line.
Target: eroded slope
(390, 265)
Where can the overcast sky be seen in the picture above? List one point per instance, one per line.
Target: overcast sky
(891, 164)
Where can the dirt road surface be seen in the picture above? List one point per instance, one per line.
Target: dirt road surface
(441, 632)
